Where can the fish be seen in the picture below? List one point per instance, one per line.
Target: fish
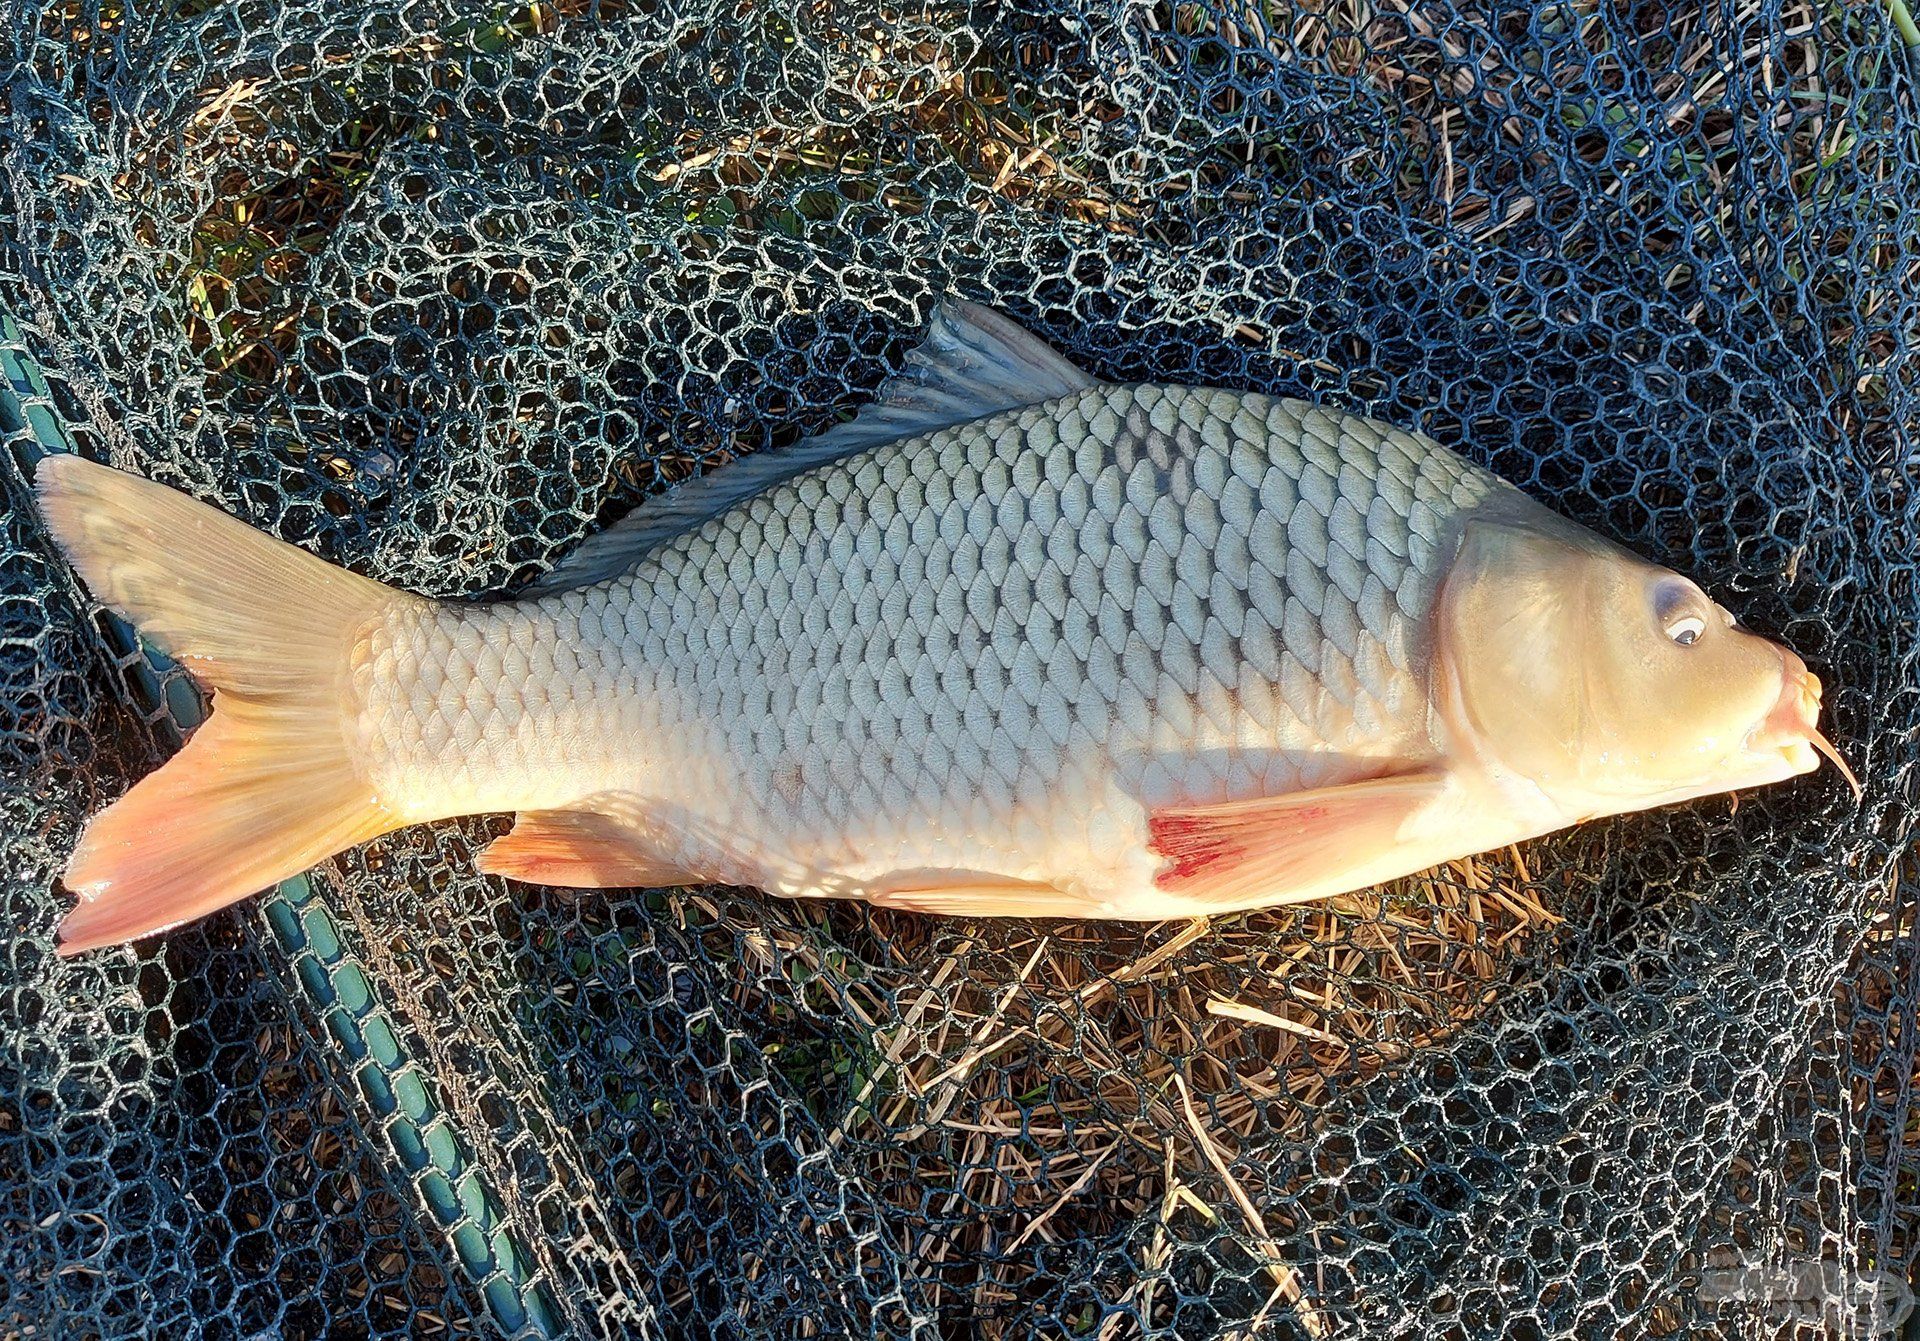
(1011, 642)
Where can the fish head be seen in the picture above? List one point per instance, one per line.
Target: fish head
(1610, 683)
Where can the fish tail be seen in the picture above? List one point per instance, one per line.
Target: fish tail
(267, 787)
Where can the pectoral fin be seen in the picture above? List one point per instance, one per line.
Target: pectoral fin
(578, 849)
(1270, 850)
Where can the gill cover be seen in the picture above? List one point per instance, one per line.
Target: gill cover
(1514, 690)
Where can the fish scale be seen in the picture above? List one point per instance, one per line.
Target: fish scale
(924, 657)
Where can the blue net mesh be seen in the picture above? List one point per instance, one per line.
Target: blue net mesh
(435, 291)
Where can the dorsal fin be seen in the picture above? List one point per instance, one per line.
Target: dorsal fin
(971, 363)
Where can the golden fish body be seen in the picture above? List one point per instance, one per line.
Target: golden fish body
(1014, 642)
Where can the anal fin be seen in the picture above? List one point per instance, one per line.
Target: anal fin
(578, 849)
(1269, 850)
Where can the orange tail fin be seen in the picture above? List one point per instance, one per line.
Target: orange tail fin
(267, 787)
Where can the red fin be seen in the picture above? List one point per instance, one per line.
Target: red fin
(578, 849)
(979, 894)
(1283, 849)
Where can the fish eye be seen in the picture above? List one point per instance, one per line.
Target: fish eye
(1677, 606)
(1686, 630)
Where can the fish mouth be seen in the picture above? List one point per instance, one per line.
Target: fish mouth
(1791, 731)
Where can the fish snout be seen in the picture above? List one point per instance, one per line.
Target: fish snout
(1795, 716)
(1792, 726)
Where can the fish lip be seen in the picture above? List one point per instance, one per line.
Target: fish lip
(1791, 728)
(1793, 720)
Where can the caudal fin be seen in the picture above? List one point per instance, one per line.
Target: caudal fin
(266, 788)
